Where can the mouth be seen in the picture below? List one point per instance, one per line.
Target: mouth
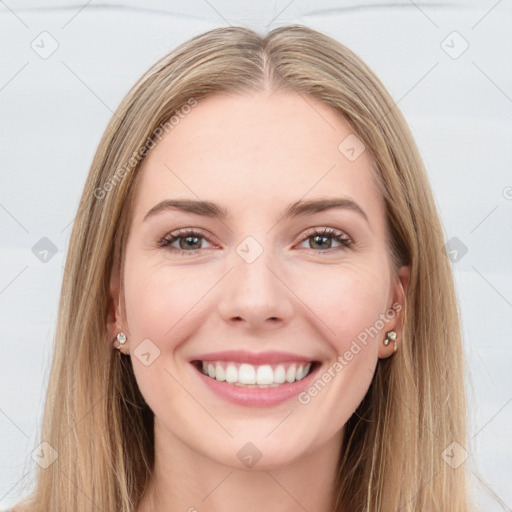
(262, 376)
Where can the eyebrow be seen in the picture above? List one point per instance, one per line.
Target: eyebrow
(295, 209)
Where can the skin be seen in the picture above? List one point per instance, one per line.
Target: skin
(253, 155)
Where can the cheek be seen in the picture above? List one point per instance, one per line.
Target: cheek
(159, 303)
(342, 301)
(348, 301)
(348, 304)
(158, 299)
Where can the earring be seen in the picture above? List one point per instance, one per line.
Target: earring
(121, 338)
(390, 336)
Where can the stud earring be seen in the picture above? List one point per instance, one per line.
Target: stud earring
(121, 338)
(390, 336)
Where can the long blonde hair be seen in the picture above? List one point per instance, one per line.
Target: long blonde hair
(95, 417)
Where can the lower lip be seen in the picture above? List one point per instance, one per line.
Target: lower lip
(257, 397)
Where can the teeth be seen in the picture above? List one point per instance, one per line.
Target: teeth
(291, 373)
(280, 374)
(220, 374)
(265, 375)
(231, 373)
(248, 375)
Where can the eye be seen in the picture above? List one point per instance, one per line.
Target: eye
(189, 241)
(321, 238)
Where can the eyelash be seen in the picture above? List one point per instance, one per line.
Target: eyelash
(336, 235)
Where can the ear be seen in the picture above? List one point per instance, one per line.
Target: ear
(400, 287)
(114, 315)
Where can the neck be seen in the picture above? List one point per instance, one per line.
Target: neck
(184, 480)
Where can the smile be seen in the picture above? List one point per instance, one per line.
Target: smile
(256, 385)
(255, 376)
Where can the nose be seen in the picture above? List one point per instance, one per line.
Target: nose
(255, 295)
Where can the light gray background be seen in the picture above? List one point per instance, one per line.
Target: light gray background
(54, 109)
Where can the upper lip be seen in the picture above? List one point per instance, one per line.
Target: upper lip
(256, 358)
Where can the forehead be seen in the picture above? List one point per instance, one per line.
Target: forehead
(256, 153)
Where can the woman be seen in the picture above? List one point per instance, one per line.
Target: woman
(257, 309)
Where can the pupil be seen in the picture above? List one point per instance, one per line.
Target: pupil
(188, 238)
(324, 238)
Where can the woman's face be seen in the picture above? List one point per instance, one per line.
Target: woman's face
(256, 283)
